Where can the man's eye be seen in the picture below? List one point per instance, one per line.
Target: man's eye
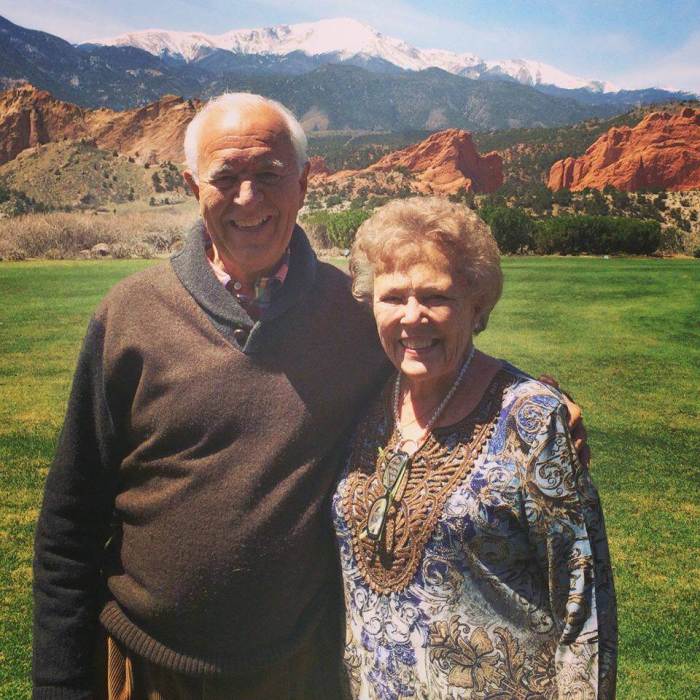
(268, 177)
(223, 181)
(391, 299)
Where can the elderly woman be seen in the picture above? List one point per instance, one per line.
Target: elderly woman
(472, 543)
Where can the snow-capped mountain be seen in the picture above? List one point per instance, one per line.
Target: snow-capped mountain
(343, 39)
(537, 73)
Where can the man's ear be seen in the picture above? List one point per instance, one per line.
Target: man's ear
(303, 183)
(191, 183)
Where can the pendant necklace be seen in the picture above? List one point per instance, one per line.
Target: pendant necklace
(396, 463)
(438, 411)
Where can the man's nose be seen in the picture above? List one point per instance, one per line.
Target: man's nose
(412, 311)
(247, 193)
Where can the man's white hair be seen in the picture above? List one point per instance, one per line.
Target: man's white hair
(232, 104)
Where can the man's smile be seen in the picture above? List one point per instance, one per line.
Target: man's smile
(251, 224)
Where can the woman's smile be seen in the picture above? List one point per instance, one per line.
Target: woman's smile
(425, 319)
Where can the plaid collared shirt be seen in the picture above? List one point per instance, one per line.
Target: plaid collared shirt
(263, 290)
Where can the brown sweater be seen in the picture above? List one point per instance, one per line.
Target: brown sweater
(199, 442)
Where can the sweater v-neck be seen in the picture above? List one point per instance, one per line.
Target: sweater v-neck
(222, 308)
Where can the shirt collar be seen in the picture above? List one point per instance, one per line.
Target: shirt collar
(264, 287)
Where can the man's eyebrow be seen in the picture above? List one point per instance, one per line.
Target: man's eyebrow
(275, 163)
(220, 170)
(225, 169)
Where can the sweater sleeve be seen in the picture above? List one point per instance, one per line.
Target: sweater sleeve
(566, 527)
(71, 534)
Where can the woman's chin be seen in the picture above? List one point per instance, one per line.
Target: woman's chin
(421, 371)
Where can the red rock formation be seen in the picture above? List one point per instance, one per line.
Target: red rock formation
(444, 163)
(318, 166)
(662, 151)
(29, 117)
(154, 132)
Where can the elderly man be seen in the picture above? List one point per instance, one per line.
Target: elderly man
(201, 415)
(184, 547)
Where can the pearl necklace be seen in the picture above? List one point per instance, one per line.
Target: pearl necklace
(438, 411)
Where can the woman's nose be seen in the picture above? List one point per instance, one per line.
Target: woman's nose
(412, 311)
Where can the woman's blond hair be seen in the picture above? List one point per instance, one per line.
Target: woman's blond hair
(408, 231)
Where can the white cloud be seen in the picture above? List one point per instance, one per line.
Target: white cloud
(678, 70)
(67, 19)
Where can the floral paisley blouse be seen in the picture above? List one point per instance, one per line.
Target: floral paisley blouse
(492, 577)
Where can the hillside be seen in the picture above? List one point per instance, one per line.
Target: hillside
(342, 97)
(72, 174)
(354, 150)
(29, 117)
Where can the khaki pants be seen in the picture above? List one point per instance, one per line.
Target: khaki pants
(313, 673)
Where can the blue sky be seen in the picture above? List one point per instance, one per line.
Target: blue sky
(632, 44)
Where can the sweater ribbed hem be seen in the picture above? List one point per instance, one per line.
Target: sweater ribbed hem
(48, 693)
(119, 626)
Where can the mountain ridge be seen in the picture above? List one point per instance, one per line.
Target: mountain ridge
(362, 91)
(343, 39)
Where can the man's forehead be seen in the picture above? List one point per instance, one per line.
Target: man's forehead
(244, 137)
(232, 147)
(244, 128)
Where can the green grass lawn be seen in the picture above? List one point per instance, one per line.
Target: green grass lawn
(622, 335)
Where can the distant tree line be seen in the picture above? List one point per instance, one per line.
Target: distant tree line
(516, 232)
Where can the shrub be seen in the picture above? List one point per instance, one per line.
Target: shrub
(511, 228)
(464, 196)
(672, 240)
(334, 229)
(10, 251)
(162, 242)
(316, 231)
(121, 251)
(562, 197)
(135, 249)
(66, 235)
(571, 235)
(334, 200)
(343, 225)
(595, 204)
(620, 199)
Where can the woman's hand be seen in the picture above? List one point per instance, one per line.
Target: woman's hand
(576, 426)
